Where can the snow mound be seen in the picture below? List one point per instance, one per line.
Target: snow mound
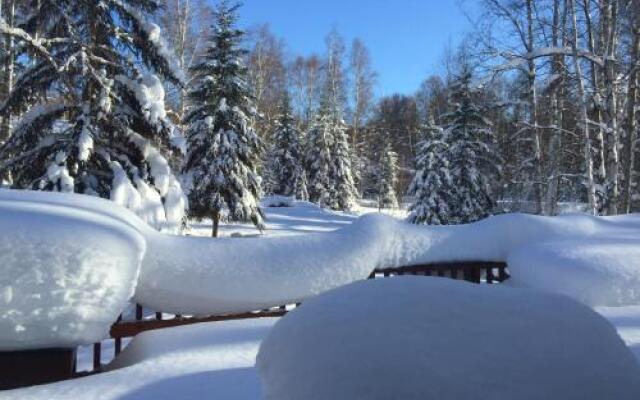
(595, 272)
(193, 275)
(68, 268)
(190, 275)
(430, 338)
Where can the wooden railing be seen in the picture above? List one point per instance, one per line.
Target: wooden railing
(477, 272)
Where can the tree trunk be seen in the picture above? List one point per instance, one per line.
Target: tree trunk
(601, 170)
(557, 104)
(215, 218)
(632, 134)
(588, 159)
(7, 84)
(533, 114)
(613, 162)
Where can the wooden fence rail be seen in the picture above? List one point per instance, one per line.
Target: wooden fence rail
(488, 272)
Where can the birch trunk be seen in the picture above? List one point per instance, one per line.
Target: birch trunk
(533, 114)
(632, 134)
(601, 172)
(588, 159)
(613, 159)
(557, 104)
(8, 66)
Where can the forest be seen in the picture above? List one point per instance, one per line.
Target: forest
(536, 111)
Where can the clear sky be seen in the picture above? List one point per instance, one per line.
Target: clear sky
(406, 37)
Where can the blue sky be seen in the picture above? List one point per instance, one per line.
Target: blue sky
(406, 37)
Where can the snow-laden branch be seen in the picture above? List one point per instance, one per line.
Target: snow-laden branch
(37, 44)
(520, 61)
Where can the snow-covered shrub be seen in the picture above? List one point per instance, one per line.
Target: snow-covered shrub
(434, 338)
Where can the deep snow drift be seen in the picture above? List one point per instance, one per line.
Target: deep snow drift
(435, 338)
(200, 275)
(591, 259)
(67, 270)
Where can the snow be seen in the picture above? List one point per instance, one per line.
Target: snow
(590, 259)
(199, 276)
(434, 338)
(209, 360)
(192, 275)
(595, 272)
(58, 174)
(304, 251)
(68, 270)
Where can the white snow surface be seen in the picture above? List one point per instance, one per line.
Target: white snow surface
(201, 276)
(68, 269)
(203, 361)
(591, 259)
(435, 338)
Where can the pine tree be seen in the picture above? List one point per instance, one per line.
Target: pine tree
(472, 158)
(286, 174)
(388, 178)
(223, 150)
(432, 186)
(96, 121)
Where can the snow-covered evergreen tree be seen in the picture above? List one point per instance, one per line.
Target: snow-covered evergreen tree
(328, 157)
(223, 151)
(432, 186)
(472, 158)
(343, 191)
(301, 191)
(96, 121)
(328, 160)
(388, 178)
(318, 159)
(285, 169)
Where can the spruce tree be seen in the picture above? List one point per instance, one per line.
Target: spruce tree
(472, 158)
(328, 159)
(318, 159)
(343, 191)
(388, 178)
(96, 121)
(285, 170)
(432, 186)
(223, 151)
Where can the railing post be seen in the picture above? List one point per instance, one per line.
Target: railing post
(138, 312)
(97, 356)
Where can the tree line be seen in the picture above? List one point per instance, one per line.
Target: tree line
(141, 101)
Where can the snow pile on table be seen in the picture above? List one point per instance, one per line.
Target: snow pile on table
(434, 338)
(69, 266)
(202, 361)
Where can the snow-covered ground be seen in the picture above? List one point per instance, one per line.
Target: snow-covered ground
(301, 218)
(216, 360)
(211, 360)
